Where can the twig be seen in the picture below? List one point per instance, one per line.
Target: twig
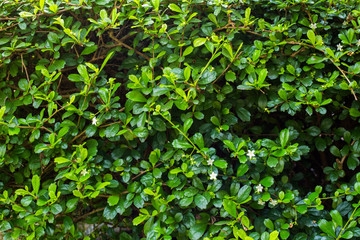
(142, 172)
(27, 75)
(89, 213)
(225, 70)
(340, 163)
(77, 136)
(30, 127)
(120, 43)
(227, 26)
(342, 72)
(13, 25)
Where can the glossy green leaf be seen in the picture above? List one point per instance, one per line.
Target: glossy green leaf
(112, 130)
(284, 137)
(197, 231)
(327, 227)
(182, 144)
(136, 96)
(89, 50)
(200, 201)
(267, 181)
(243, 114)
(311, 36)
(230, 207)
(336, 217)
(141, 132)
(221, 163)
(199, 41)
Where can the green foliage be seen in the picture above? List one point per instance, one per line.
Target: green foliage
(190, 119)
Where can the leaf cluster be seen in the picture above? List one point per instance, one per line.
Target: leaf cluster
(218, 119)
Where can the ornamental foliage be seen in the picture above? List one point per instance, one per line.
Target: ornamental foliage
(192, 119)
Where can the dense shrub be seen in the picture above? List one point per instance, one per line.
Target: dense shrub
(179, 119)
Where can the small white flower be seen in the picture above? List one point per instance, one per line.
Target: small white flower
(339, 47)
(94, 121)
(251, 154)
(358, 43)
(210, 162)
(313, 26)
(273, 202)
(261, 202)
(259, 188)
(213, 176)
(83, 172)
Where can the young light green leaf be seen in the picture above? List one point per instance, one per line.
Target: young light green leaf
(35, 184)
(199, 41)
(156, 4)
(213, 19)
(139, 219)
(41, 4)
(221, 163)
(262, 75)
(2, 111)
(61, 160)
(311, 36)
(175, 8)
(330, 52)
(113, 200)
(106, 60)
(274, 235)
(187, 51)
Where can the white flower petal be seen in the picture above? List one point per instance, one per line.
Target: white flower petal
(251, 154)
(213, 176)
(339, 47)
(94, 121)
(210, 162)
(259, 188)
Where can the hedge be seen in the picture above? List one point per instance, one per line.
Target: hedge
(192, 119)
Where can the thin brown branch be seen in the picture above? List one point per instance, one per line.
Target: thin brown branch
(88, 214)
(340, 163)
(120, 43)
(77, 136)
(23, 66)
(347, 79)
(13, 25)
(225, 70)
(142, 172)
